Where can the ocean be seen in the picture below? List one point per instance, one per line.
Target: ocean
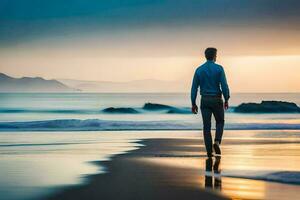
(84, 112)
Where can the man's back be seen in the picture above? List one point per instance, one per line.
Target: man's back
(211, 79)
(209, 75)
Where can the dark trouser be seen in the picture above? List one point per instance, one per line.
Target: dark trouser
(212, 105)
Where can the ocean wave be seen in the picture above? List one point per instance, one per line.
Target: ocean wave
(98, 125)
(290, 177)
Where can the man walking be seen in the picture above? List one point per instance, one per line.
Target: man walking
(212, 81)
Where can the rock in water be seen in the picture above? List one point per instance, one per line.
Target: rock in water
(120, 110)
(155, 106)
(268, 107)
(179, 111)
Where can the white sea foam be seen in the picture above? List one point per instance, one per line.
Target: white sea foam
(97, 124)
(291, 177)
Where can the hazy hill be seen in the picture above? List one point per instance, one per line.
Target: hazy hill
(29, 84)
(148, 85)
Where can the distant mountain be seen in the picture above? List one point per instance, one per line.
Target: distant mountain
(148, 85)
(28, 84)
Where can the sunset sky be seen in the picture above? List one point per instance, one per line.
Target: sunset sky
(124, 40)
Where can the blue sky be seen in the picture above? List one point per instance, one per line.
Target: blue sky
(29, 19)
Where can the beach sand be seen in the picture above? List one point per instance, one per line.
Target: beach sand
(178, 169)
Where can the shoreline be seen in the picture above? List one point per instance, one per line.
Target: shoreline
(129, 176)
(174, 168)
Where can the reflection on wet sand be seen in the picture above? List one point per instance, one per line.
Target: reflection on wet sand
(213, 178)
(227, 176)
(238, 188)
(235, 188)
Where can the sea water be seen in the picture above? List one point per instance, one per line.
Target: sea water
(84, 111)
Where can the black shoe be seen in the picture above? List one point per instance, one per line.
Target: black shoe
(217, 149)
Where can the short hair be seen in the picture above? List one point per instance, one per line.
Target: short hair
(210, 53)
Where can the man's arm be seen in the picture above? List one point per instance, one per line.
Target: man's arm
(224, 86)
(194, 89)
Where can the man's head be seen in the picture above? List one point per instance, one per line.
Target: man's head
(211, 54)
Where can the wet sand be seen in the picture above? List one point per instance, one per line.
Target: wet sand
(176, 169)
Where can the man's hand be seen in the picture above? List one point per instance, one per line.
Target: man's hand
(226, 106)
(195, 109)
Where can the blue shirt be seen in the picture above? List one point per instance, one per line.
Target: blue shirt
(212, 81)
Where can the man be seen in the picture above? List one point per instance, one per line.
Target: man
(212, 81)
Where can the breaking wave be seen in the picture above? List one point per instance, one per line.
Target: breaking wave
(98, 125)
